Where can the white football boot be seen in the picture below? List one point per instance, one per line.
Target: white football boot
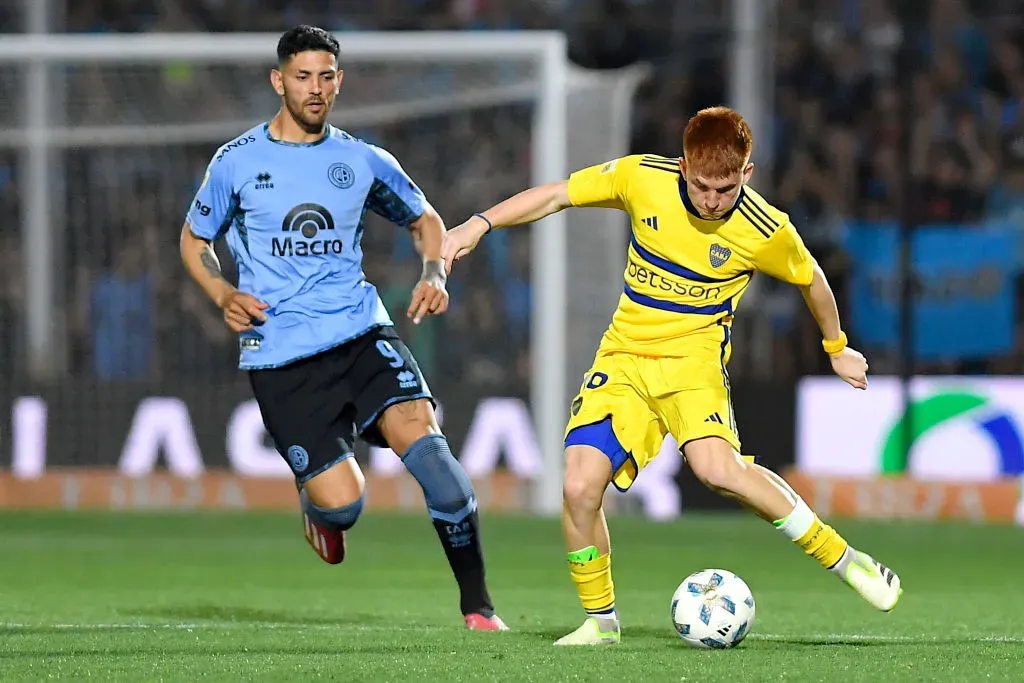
(594, 631)
(875, 582)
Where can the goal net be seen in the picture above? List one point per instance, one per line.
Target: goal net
(108, 138)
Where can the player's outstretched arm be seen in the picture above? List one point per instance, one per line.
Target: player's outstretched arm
(240, 309)
(525, 207)
(429, 297)
(848, 363)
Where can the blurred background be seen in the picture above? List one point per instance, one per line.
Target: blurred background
(891, 132)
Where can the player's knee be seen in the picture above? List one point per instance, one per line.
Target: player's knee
(715, 463)
(405, 423)
(338, 517)
(587, 473)
(582, 492)
(446, 486)
(338, 486)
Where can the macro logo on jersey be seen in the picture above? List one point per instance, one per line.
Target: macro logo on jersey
(719, 255)
(309, 220)
(341, 175)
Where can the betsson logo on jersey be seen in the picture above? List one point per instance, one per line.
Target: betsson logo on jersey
(639, 274)
(309, 220)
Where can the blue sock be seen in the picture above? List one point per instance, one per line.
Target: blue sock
(451, 503)
(339, 518)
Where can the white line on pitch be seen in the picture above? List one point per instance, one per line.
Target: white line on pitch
(824, 638)
(838, 638)
(203, 626)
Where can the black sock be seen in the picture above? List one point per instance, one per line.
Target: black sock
(461, 543)
(452, 507)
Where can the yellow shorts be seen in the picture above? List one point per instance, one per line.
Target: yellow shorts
(628, 403)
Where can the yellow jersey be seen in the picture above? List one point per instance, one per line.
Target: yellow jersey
(685, 275)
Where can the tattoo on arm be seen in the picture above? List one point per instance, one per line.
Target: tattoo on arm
(209, 260)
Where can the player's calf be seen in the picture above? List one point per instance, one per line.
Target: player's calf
(451, 503)
(331, 503)
(325, 527)
(411, 429)
(587, 473)
(718, 466)
(722, 469)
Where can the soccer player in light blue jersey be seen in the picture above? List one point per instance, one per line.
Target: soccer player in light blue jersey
(323, 359)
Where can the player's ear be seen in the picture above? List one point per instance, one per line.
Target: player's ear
(748, 170)
(337, 81)
(277, 80)
(682, 167)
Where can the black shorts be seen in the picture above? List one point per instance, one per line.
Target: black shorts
(315, 407)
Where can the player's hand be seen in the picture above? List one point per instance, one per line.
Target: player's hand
(429, 297)
(243, 311)
(851, 365)
(461, 240)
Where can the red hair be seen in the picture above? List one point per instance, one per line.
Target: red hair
(717, 142)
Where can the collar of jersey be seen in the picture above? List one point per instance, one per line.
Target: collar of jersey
(266, 131)
(692, 210)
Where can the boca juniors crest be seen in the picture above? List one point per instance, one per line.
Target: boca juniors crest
(719, 255)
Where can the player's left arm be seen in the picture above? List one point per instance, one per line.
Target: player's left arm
(602, 186)
(397, 198)
(429, 296)
(785, 257)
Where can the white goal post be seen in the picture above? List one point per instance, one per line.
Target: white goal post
(40, 75)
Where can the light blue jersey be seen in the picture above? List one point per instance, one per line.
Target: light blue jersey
(293, 217)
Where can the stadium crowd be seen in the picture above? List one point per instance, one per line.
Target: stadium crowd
(131, 315)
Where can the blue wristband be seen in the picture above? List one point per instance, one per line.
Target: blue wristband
(484, 219)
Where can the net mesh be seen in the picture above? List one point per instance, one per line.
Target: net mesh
(125, 202)
(11, 86)
(129, 146)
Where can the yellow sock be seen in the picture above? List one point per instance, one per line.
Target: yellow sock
(817, 539)
(592, 575)
(823, 543)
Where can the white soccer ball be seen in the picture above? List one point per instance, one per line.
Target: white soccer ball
(713, 608)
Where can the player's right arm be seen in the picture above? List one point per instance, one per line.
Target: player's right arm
(785, 257)
(208, 219)
(598, 186)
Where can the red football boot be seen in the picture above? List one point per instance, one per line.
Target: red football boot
(478, 622)
(329, 544)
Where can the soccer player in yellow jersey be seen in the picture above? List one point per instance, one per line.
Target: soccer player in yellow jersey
(699, 235)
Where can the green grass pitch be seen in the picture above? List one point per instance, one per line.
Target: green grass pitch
(241, 597)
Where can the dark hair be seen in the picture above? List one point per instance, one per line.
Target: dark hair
(305, 38)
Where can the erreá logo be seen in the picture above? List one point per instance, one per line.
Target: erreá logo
(940, 408)
(309, 220)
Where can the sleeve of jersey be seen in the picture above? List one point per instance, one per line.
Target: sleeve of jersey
(212, 209)
(393, 194)
(603, 185)
(785, 257)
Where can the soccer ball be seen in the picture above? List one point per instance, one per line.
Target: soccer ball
(713, 608)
